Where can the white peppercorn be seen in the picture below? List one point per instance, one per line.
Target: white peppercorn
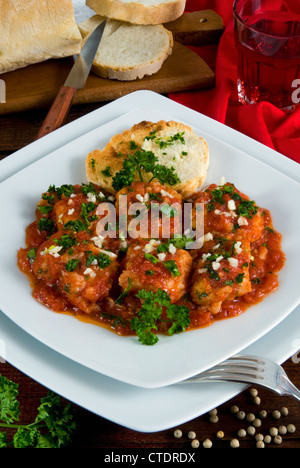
(214, 418)
(195, 443)
(256, 400)
(192, 435)
(253, 392)
(260, 444)
(273, 431)
(250, 417)
(282, 430)
(267, 439)
(234, 409)
(220, 434)
(259, 437)
(241, 415)
(276, 414)
(251, 430)
(177, 433)
(263, 414)
(242, 433)
(284, 411)
(291, 428)
(234, 443)
(256, 422)
(207, 443)
(213, 412)
(277, 440)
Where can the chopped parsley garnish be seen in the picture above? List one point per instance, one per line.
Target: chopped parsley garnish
(65, 189)
(102, 259)
(65, 241)
(76, 225)
(72, 264)
(145, 161)
(85, 209)
(151, 258)
(172, 267)
(239, 278)
(145, 324)
(107, 172)
(31, 254)
(45, 224)
(247, 209)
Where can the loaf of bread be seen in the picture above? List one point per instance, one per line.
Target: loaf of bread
(174, 144)
(32, 31)
(128, 51)
(141, 12)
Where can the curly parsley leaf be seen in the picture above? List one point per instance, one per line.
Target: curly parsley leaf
(53, 427)
(145, 324)
(143, 161)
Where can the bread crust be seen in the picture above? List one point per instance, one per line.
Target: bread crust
(32, 31)
(192, 169)
(149, 63)
(137, 12)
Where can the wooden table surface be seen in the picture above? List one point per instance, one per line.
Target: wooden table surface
(18, 130)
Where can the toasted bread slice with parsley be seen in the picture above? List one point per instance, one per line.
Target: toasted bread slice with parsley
(173, 145)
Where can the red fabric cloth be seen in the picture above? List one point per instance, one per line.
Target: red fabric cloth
(262, 122)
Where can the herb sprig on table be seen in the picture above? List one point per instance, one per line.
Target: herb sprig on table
(53, 426)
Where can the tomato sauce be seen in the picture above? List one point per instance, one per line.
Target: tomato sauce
(70, 273)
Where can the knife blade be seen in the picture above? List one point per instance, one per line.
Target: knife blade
(75, 80)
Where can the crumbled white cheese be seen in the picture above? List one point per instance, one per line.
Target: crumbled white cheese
(172, 249)
(98, 241)
(202, 270)
(146, 197)
(71, 211)
(161, 256)
(165, 194)
(205, 256)
(242, 221)
(222, 181)
(215, 265)
(231, 205)
(139, 198)
(52, 250)
(233, 262)
(237, 247)
(89, 272)
(208, 237)
(91, 197)
(216, 246)
(110, 254)
(148, 248)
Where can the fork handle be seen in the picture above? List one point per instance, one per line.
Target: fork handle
(290, 387)
(58, 111)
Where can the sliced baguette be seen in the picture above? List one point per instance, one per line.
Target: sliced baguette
(189, 159)
(139, 12)
(128, 51)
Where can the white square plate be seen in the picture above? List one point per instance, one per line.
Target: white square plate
(123, 358)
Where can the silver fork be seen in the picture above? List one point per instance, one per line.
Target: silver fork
(252, 370)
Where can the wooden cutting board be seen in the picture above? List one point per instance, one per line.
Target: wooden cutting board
(36, 86)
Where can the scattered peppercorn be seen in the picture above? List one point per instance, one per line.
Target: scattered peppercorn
(207, 443)
(277, 440)
(276, 414)
(192, 435)
(291, 428)
(195, 443)
(284, 411)
(177, 433)
(234, 443)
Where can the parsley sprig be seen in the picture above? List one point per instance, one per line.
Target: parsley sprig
(53, 426)
(143, 161)
(145, 324)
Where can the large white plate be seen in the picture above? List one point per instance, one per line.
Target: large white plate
(172, 359)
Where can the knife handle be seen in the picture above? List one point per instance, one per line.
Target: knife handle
(58, 111)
